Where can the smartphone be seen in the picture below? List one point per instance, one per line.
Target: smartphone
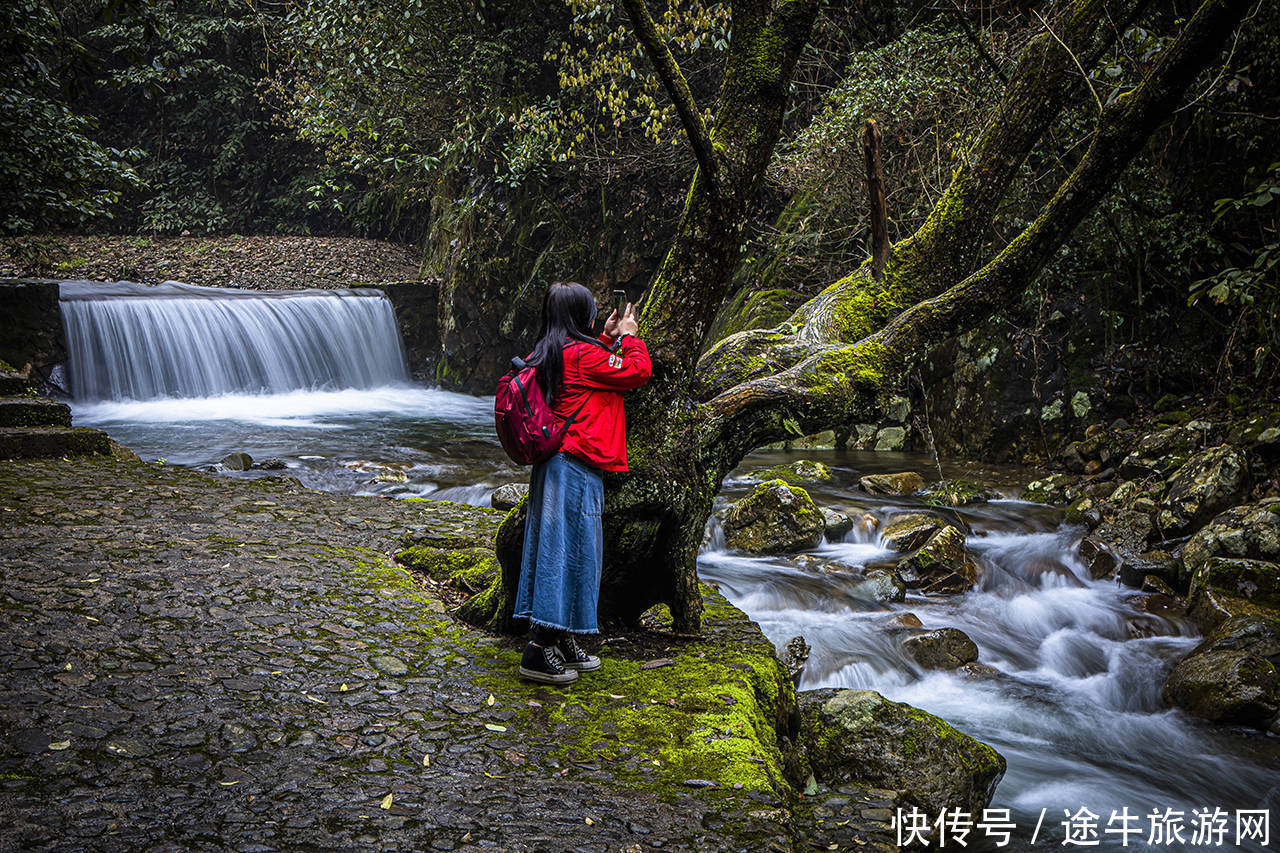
(620, 301)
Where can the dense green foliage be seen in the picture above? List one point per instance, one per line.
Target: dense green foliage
(519, 141)
(54, 169)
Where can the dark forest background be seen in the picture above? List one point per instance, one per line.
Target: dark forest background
(515, 143)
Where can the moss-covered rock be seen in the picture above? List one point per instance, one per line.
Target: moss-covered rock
(1209, 482)
(902, 483)
(1054, 489)
(941, 565)
(1254, 581)
(882, 585)
(775, 518)
(943, 648)
(801, 471)
(1251, 531)
(837, 524)
(860, 737)
(1231, 676)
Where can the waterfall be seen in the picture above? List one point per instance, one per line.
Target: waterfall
(135, 342)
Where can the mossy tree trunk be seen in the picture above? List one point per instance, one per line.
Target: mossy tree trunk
(838, 356)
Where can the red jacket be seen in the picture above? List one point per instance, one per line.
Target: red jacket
(594, 378)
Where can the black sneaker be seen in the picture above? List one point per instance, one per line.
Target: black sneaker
(572, 657)
(541, 663)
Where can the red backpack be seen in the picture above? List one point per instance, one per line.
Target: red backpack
(526, 425)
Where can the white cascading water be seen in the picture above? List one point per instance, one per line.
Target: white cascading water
(135, 342)
(1074, 703)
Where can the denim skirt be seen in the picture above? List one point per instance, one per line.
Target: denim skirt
(563, 546)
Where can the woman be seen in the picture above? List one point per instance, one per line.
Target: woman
(583, 378)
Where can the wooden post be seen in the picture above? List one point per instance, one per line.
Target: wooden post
(875, 198)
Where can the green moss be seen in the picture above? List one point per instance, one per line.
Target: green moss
(712, 715)
(469, 569)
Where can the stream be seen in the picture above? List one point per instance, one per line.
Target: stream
(1072, 699)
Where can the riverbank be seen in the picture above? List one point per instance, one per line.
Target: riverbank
(191, 659)
(257, 262)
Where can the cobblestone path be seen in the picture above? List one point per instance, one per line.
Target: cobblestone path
(199, 663)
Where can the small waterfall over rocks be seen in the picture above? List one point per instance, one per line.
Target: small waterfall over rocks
(136, 342)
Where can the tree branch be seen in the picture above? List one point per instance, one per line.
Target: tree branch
(677, 87)
(836, 383)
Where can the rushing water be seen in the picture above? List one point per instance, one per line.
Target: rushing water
(1073, 704)
(133, 342)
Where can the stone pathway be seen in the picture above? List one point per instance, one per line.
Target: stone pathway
(196, 663)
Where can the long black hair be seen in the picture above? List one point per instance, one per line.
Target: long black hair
(568, 314)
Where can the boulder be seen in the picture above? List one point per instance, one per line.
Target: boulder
(1226, 586)
(903, 483)
(943, 648)
(775, 518)
(891, 438)
(506, 496)
(238, 461)
(881, 585)
(1209, 482)
(940, 565)
(1251, 531)
(1135, 569)
(272, 464)
(1231, 677)
(909, 531)
(837, 524)
(800, 471)
(859, 737)
(903, 621)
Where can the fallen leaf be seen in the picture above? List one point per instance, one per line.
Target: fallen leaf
(67, 667)
(344, 688)
(466, 837)
(495, 728)
(426, 761)
(811, 786)
(654, 664)
(590, 822)
(490, 700)
(232, 782)
(60, 745)
(386, 801)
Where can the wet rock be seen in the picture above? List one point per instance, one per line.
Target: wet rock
(1134, 570)
(1251, 531)
(272, 464)
(858, 736)
(1154, 583)
(1208, 483)
(1099, 559)
(800, 471)
(909, 531)
(238, 461)
(774, 518)
(506, 496)
(944, 648)
(1230, 677)
(891, 439)
(903, 483)
(882, 585)
(903, 621)
(837, 524)
(941, 565)
(794, 656)
(979, 671)
(1130, 531)
(1054, 489)
(1231, 585)
(124, 454)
